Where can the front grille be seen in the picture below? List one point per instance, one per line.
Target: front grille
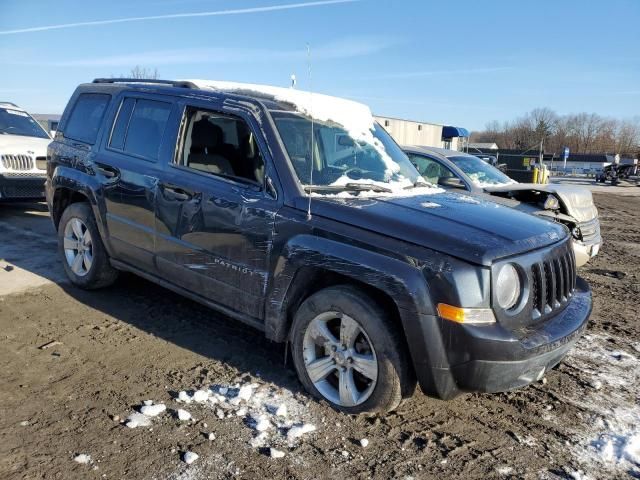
(17, 162)
(553, 283)
(590, 230)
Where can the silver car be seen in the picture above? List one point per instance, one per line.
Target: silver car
(571, 205)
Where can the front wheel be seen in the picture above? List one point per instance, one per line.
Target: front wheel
(84, 257)
(347, 352)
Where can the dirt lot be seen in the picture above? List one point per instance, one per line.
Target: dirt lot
(136, 341)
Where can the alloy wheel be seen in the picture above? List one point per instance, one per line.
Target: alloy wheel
(78, 247)
(340, 359)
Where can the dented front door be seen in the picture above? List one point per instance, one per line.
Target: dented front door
(214, 238)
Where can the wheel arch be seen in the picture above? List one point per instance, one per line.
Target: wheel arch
(69, 186)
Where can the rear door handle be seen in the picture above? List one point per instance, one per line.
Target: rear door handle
(107, 170)
(177, 192)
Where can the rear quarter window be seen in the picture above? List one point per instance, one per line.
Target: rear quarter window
(86, 117)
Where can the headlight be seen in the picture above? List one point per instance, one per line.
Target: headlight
(508, 287)
(551, 203)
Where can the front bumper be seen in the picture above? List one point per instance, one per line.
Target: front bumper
(21, 186)
(492, 359)
(585, 252)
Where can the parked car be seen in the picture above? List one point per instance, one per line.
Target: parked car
(23, 150)
(569, 205)
(374, 277)
(615, 172)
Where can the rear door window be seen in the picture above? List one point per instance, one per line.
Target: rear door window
(139, 127)
(85, 120)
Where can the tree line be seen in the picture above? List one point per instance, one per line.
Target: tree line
(582, 133)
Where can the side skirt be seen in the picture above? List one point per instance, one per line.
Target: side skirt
(246, 319)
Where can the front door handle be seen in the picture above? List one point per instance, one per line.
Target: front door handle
(177, 192)
(107, 170)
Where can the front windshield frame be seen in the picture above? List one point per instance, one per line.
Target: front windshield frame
(395, 171)
(496, 177)
(35, 130)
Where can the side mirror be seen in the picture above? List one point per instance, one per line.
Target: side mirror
(451, 182)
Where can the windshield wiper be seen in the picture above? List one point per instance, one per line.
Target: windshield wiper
(419, 183)
(349, 187)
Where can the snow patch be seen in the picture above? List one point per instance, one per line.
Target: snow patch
(190, 457)
(153, 410)
(608, 442)
(299, 431)
(200, 396)
(276, 453)
(183, 415)
(83, 459)
(137, 420)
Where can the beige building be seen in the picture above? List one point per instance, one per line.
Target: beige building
(409, 132)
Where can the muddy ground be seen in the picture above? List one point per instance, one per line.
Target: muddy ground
(137, 341)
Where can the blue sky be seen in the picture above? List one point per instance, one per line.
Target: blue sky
(462, 63)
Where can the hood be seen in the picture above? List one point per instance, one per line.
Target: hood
(19, 144)
(577, 200)
(463, 226)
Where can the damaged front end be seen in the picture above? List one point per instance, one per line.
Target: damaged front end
(568, 205)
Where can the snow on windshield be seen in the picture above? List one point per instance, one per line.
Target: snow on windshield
(370, 157)
(480, 172)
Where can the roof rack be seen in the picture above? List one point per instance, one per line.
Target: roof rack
(173, 83)
(10, 103)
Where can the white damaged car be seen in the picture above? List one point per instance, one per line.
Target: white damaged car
(23, 154)
(570, 205)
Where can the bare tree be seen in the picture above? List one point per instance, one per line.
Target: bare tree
(144, 72)
(582, 133)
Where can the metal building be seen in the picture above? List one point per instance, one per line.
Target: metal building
(409, 132)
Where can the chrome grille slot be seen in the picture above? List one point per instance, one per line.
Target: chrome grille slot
(17, 162)
(553, 281)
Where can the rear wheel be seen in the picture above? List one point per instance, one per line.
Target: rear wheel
(347, 353)
(83, 254)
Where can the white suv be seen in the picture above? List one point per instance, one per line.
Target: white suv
(23, 154)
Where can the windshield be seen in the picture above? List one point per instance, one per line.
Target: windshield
(16, 122)
(340, 160)
(481, 173)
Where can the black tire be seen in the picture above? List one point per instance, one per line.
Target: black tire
(101, 273)
(395, 378)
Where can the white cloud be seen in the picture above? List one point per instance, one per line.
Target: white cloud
(238, 11)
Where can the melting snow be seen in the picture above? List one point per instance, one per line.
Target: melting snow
(190, 457)
(153, 410)
(200, 396)
(276, 453)
(83, 458)
(183, 415)
(608, 443)
(137, 420)
(356, 118)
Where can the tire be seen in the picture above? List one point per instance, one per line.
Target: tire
(85, 261)
(343, 316)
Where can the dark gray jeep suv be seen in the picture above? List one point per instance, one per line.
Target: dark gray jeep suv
(296, 213)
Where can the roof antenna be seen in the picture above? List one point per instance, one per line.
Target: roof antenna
(312, 130)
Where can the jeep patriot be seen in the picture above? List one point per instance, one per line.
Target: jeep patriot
(297, 214)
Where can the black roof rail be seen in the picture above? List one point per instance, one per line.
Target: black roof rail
(10, 103)
(173, 83)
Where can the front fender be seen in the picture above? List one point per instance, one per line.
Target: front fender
(403, 281)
